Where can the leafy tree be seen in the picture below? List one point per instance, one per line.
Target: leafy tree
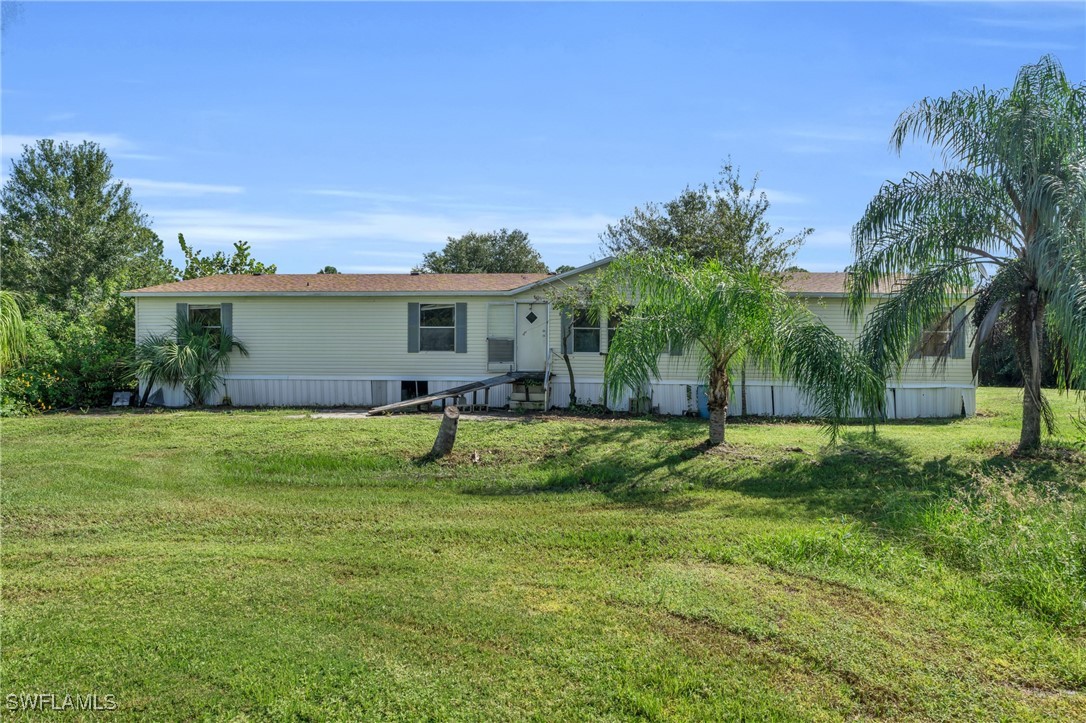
(239, 262)
(12, 331)
(1012, 198)
(721, 220)
(67, 222)
(188, 355)
(728, 317)
(329, 270)
(74, 354)
(497, 252)
(564, 268)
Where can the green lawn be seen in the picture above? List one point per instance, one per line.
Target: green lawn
(255, 566)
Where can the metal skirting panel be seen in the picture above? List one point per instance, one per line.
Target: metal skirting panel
(322, 393)
(781, 400)
(924, 402)
(587, 393)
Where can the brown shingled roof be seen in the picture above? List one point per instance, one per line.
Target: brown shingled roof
(801, 282)
(344, 283)
(829, 282)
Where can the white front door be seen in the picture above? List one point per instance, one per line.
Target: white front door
(531, 337)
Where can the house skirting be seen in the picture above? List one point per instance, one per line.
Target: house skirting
(903, 401)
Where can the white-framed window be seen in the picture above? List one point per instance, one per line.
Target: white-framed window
(586, 334)
(208, 316)
(933, 340)
(437, 327)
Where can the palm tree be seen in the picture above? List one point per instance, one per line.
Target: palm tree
(13, 345)
(733, 317)
(189, 355)
(1012, 199)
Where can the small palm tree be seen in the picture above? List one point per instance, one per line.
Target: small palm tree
(1012, 199)
(732, 318)
(13, 345)
(189, 355)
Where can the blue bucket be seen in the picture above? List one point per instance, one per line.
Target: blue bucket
(703, 402)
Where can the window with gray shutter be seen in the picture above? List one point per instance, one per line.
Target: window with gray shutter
(226, 316)
(586, 335)
(957, 350)
(461, 320)
(437, 327)
(500, 333)
(182, 313)
(412, 328)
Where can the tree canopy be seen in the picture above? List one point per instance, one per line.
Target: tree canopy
(239, 262)
(721, 220)
(497, 252)
(68, 224)
(1012, 198)
(329, 270)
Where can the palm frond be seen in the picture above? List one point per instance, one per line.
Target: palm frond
(13, 344)
(892, 329)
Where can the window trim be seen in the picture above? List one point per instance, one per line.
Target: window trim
(580, 315)
(933, 340)
(425, 307)
(203, 307)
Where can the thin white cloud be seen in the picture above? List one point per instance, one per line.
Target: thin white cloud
(424, 231)
(1032, 20)
(11, 144)
(378, 269)
(1039, 45)
(808, 149)
(830, 239)
(149, 187)
(360, 195)
(839, 135)
(783, 197)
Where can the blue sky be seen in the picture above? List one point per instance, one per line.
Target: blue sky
(362, 134)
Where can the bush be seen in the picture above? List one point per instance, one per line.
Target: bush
(75, 355)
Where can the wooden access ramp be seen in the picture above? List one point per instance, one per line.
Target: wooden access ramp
(454, 392)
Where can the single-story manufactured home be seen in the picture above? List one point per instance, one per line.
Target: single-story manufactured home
(373, 339)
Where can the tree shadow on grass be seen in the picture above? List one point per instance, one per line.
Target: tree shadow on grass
(652, 483)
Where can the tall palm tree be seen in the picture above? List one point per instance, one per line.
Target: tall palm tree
(189, 356)
(729, 317)
(1007, 214)
(12, 331)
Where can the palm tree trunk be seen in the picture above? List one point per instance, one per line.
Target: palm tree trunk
(147, 390)
(718, 405)
(1031, 376)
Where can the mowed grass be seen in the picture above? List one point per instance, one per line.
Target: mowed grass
(253, 566)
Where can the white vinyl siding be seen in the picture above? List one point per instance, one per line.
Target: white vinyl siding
(331, 350)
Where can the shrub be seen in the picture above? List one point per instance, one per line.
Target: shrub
(74, 356)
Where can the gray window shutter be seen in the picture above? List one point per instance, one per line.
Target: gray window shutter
(461, 343)
(182, 312)
(412, 328)
(226, 318)
(958, 349)
(675, 348)
(567, 338)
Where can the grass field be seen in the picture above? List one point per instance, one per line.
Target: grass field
(254, 566)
